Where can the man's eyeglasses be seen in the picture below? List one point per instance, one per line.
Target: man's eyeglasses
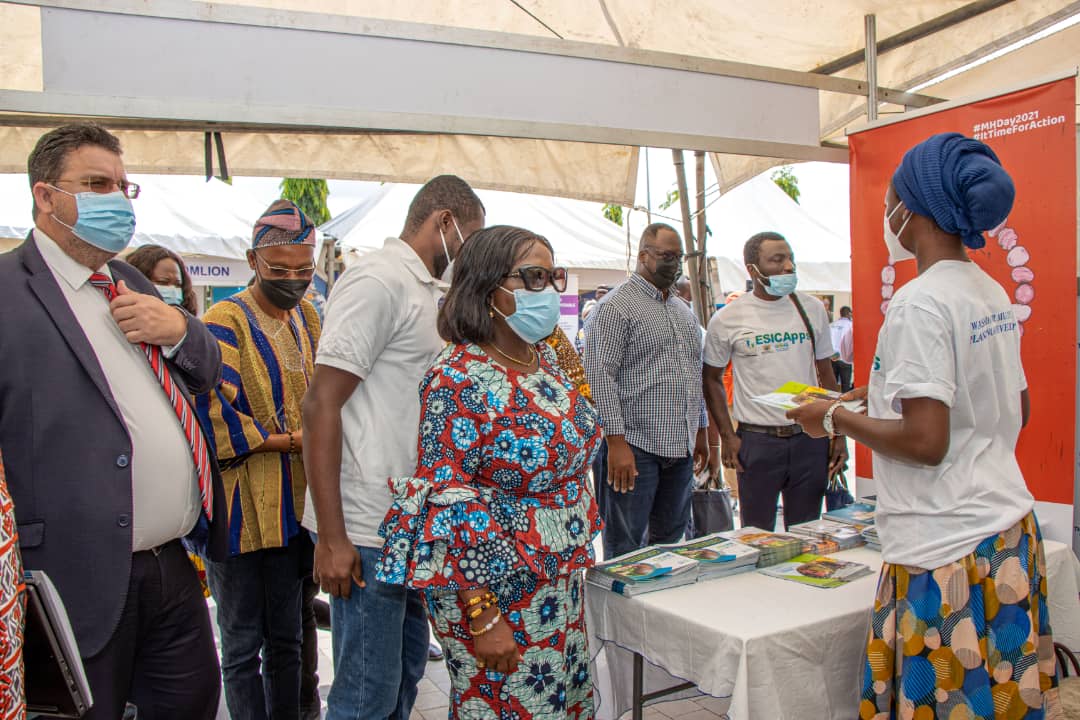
(536, 278)
(280, 273)
(105, 185)
(665, 256)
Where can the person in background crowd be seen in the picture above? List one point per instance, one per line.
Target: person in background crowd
(643, 362)
(838, 329)
(12, 611)
(569, 361)
(268, 336)
(362, 414)
(316, 299)
(730, 475)
(124, 474)
(497, 521)
(766, 336)
(960, 624)
(167, 271)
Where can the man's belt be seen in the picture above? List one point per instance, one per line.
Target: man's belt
(779, 431)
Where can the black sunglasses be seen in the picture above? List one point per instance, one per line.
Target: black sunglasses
(536, 278)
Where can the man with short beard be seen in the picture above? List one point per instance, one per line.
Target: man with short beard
(362, 414)
(643, 362)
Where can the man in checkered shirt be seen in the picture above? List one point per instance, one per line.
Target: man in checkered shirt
(643, 362)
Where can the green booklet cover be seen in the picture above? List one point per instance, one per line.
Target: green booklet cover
(817, 571)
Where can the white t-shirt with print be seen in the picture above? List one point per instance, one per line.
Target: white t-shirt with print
(768, 345)
(380, 326)
(950, 335)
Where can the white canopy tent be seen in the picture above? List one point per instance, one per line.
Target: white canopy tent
(582, 237)
(548, 131)
(823, 255)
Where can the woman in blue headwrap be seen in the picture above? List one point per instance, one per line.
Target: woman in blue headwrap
(960, 625)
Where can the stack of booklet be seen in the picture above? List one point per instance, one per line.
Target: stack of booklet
(843, 535)
(870, 535)
(859, 514)
(642, 571)
(717, 556)
(775, 547)
(818, 571)
(664, 566)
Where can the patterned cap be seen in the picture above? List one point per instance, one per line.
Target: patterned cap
(283, 223)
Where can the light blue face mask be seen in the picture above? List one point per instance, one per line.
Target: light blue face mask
(779, 285)
(535, 315)
(171, 294)
(106, 220)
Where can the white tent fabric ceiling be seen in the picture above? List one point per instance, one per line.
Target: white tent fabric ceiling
(791, 34)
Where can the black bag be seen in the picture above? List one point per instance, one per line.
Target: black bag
(711, 509)
(837, 494)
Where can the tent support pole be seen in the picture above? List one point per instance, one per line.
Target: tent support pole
(704, 279)
(688, 231)
(871, 68)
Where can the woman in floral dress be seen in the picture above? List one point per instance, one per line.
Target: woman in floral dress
(498, 522)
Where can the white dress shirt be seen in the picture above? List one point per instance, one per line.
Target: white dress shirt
(164, 491)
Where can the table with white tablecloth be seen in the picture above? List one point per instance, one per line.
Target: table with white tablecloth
(776, 649)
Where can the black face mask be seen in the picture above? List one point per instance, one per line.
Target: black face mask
(284, 294)
(666, 273)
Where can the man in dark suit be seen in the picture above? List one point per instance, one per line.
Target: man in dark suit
(105, 466)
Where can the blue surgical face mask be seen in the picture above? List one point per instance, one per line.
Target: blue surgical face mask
(171, 294)
(535, 313)
(106, 220)
(778, 285)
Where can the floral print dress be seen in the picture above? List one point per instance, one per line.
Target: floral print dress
(500, 500)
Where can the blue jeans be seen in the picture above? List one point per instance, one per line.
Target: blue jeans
(655, 511)
(380, 644)
(258, 610)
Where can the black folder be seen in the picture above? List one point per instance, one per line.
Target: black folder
(56, 684)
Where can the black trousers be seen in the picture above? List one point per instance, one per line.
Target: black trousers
(842, 370)
(161, 657)
(795, 467)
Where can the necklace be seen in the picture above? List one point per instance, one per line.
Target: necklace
(524, 363)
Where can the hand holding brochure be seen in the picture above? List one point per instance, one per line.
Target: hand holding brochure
(794, 394)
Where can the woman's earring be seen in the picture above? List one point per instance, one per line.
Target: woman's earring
(491, 312)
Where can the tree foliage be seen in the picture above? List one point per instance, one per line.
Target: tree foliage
(310, 195)
(671, 199)
(614, 214)
(785, 179)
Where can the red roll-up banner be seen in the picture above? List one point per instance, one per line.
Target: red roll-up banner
(1032, 255)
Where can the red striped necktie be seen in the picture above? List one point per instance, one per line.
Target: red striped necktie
(180, 405)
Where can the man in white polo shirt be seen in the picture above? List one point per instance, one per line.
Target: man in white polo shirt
(361, 417)
(771, 336)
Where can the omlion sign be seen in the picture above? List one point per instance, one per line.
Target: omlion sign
(218, 272)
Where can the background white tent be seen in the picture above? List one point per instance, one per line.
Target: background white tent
(823, 254)
(582, 237)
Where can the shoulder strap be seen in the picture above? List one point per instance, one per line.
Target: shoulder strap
(810, 331)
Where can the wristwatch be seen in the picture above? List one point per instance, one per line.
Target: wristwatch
(827, 421)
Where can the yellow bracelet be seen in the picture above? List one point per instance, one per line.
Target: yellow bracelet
(477, 612)
(471, 602)
(491, 623)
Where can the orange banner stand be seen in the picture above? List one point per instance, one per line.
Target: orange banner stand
(1032, 255)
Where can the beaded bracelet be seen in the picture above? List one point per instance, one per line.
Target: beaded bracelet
(477, 612)
(292, 444)
(491, 623)
(471, 602)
